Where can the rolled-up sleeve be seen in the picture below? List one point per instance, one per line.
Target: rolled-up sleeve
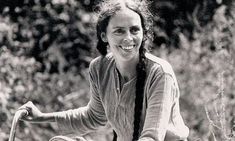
(87, 118)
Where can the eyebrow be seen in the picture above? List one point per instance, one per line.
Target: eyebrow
(123, 27)
(118, 27)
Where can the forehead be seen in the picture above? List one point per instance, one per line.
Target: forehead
(125, 17)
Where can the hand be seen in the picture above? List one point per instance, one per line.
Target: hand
(34, 114)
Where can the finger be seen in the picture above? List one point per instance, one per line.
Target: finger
(30, 103)
(28, 106)
(27, 109)
(27, 118)
(24, 108)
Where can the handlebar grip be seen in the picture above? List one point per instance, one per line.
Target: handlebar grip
(18, 115)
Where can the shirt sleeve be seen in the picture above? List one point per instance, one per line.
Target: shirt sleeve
(87, 118)
(162, 108)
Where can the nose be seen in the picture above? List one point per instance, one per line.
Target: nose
(128, 38)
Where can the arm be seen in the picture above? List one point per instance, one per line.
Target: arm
(85, 118)
(176, 128)
(163, 119)
(35, 115)
(82, 119)
(159, 103)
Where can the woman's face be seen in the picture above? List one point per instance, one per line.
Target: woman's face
(124, 35)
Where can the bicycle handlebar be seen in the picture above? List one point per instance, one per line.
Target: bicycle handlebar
(18, 115)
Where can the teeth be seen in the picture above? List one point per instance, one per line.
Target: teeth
(127, 47)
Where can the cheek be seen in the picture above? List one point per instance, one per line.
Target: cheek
(139, 39)
(113, 49)
(113, 40)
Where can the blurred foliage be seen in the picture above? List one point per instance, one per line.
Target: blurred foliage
(205, 70)
(46, 47)
(182, 16)
(56, 33)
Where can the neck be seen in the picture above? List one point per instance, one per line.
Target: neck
(127, 69)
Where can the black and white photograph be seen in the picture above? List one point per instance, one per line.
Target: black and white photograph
(117, 70)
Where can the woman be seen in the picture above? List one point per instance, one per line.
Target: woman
(136, 92)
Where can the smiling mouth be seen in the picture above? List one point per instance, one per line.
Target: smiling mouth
(127, 47)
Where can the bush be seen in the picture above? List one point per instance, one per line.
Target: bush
(205, 70)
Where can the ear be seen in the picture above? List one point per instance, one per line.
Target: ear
(103, 37)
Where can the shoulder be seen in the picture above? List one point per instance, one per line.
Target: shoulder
(160, 68)
(158, 64)
(101, 63)
(101, 60)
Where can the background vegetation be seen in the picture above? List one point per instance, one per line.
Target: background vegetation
(46, 47)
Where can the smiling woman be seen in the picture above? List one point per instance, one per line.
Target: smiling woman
(134, 91)
(124, 40)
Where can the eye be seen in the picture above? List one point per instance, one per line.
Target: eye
(135, 30)
(119, 31)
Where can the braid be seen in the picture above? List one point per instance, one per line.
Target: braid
(141, 76)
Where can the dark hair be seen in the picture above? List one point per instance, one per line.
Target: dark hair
(109, 9)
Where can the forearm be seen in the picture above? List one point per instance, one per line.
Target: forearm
(46, 117)
(80, 120)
